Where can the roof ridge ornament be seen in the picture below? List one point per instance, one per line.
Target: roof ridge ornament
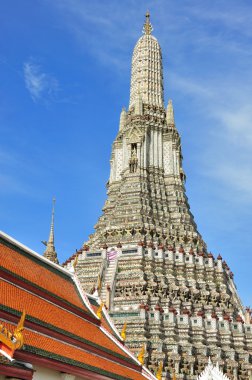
(123, 332)
(159, 371)
(99, 310)
(147, 28)
(141, 354)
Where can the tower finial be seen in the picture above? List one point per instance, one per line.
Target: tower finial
(50, 252)
(147, 29)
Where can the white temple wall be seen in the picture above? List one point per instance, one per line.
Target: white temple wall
(168, 158)
(155, 148)
(125, 154)
(42, 373)
(160, 149)
(146, 150)
(142, 154)
(151, 160)
(175, 163)
(118, 163)
(111, 177)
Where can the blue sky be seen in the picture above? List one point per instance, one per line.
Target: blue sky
(65, 74)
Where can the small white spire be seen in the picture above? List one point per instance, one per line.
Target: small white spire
(170, 114)
(123, 117)
(51, 234)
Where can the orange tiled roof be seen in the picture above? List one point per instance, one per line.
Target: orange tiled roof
(47, 313)
(53, 330)
(82, 358)
(40, 274)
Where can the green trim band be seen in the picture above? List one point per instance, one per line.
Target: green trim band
(72, 362)
(66, 333)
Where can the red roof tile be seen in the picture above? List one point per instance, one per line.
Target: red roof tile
(62, 351)
(52, 329)
(51, 314)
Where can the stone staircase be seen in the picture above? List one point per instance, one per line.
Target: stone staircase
(109, 278)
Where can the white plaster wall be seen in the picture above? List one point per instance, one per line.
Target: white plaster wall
(45, 374)
(155, 148)
(118, 163)
(151, 163)
(168, 158)
(175, 163)
(147, 150)
(160, 149)
(142, 155)
(125, 154)
(42, 373)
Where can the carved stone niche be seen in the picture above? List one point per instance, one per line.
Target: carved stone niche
(134, 135)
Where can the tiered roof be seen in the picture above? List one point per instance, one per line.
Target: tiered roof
(62, 330)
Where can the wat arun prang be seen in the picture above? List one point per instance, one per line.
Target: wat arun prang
(179, 301)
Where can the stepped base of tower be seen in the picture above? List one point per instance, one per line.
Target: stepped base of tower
(181, 304)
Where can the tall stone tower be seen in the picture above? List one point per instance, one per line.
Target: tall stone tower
(146, 257)
(146, 194)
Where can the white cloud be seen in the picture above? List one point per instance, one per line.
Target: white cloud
(225, 107)
(41, 86)
(191, 86)
(237, 16)
(238, 124)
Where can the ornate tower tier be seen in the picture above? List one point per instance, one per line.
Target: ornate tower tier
(146, 259)
(147, 75)
(146, 193)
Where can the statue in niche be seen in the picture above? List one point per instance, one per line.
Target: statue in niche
(133, 161)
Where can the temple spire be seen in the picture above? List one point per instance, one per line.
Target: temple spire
(170, 114)
(147, 70)
(51, 235)
(123, 118)
(147, 28)
(50, 252)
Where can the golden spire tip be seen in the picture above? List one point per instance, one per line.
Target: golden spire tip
(147, 29)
